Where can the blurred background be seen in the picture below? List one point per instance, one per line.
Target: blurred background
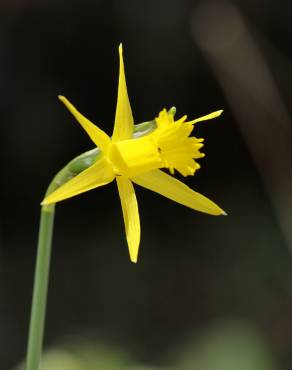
(208, 293)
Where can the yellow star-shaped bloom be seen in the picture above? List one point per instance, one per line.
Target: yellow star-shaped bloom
(131, 160)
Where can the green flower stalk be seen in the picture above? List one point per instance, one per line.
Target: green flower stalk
(135, 154)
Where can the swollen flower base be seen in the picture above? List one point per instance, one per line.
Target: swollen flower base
(139, 160)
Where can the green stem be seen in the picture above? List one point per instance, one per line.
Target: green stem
(38, 310)
(41, 279)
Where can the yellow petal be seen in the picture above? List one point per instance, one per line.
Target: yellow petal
(208, 116)
(131, 215)
(124, 123)
(99, 137)
(173, 189)
(100, 173)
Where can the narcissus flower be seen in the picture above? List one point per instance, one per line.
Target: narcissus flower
(131, 160)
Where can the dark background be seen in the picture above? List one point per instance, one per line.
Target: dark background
(198, 276)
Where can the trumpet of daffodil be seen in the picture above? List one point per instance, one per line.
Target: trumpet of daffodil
(139, 160)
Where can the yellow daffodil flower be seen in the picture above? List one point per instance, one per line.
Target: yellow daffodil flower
(131, 160)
